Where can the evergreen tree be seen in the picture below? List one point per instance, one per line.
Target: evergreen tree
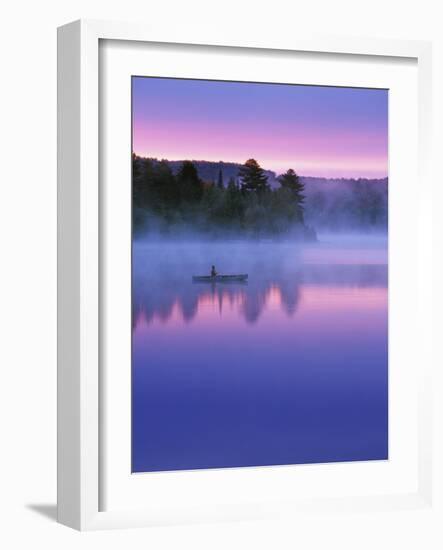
(233, 202)
(291, 182)
(232, 185)
(167, 191)
(136, 179)
(138, 199)
(253, 177)
(220, 179)
(191, 186)
(211, 204)
(142, 172)
(255, 215)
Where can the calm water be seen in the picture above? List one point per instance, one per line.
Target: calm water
(288, 368)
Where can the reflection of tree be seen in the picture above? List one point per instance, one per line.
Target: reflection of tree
(164, 311)
(290, 295)
(162, 287)
(254, 305)
(188, 305)
(161, 300)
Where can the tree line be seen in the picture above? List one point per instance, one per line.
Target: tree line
(166, 201)
(343, 205)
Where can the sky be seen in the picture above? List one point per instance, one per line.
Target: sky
(316, 130)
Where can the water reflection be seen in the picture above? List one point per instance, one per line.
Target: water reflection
(289, 368)
(169, 296)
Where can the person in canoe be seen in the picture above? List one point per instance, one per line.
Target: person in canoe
(213, 272)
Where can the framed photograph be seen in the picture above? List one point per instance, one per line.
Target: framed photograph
(245, 249)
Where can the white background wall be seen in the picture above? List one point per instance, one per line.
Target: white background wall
(28, 252)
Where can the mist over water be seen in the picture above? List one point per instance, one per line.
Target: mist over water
(290, 367)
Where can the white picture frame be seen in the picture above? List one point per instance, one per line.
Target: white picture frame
(80, 262)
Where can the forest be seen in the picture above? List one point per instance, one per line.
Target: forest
(229, 199)
(171, 203)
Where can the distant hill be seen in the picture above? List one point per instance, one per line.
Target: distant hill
(208, 170)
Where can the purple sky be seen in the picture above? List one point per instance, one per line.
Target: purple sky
(318, 131)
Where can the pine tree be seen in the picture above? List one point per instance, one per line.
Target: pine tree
(253, 177)
(220, 179)
(191, 186)
(232, 184)
(136, 179)
(142, 170)
(166, 188)
(291, 182)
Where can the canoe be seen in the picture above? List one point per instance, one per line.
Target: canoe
(219, 278)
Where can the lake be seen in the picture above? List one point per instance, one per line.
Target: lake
(288, 368)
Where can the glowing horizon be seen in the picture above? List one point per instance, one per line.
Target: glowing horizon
(318, 131)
